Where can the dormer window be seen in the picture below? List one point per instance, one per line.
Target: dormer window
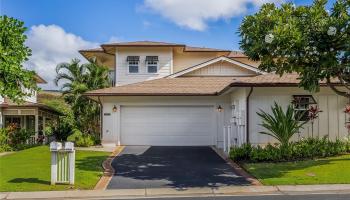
(152, 64)
(133, 62)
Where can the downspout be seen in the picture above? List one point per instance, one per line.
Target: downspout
(247, 109)
(101, 117)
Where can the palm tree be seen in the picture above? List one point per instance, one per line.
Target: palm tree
(79, 78)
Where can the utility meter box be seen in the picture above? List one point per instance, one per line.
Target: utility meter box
(55, 146)
(69, 146)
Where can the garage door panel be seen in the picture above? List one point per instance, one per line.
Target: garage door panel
(167, 125)
(173, 141)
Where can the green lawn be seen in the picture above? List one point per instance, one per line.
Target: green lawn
(322, 171)
(29, 170)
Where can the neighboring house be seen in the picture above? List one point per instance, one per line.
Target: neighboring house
(28, 115)
(173, 94)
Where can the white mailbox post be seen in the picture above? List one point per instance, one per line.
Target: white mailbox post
(62, 162)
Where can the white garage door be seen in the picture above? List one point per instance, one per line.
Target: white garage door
(167, 125)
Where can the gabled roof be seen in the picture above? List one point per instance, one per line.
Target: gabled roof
(204, 49)
(156, 44)
(273, 80)
(237, 54)
(98, 49)
(198, 86)
(10, 104)
(38, 79)
(182, 86)
(142, 43)
(214, 60)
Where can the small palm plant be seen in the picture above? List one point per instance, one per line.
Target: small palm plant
(280, 125)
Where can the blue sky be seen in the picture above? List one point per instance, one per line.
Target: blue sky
(87, 23)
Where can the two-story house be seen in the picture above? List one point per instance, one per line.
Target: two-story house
(29, 115)
(177, 95)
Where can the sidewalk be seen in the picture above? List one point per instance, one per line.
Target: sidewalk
(168, 192)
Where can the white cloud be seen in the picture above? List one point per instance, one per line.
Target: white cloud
(50, 46)
(195, 14)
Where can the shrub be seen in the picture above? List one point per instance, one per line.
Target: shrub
(80, 139)
(305, 149)
(281, 125)
(75, 135)
(13, 139)
(5, 147)
(17, 137)
(4, 138)
(85, 141)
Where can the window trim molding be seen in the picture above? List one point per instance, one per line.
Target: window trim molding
(157, 65)
(138, 67)
(311, 101)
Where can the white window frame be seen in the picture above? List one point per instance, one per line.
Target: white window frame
(134, 63)
(152, 63)
(303, 106)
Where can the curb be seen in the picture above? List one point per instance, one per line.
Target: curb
(190, 192)
(108, 169)
(238, 169)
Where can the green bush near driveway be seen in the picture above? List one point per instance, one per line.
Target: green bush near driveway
(29, 170)
(334, 170)
(80, 139)
(305, 149)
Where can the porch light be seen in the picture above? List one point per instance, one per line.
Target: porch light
(114, 108)
(220, 109)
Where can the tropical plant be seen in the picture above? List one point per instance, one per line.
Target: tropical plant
(81, 140)
(313, 113)
(13, 52)
(66, 121)
(281, 125)
(77, 79)
(308, 40)
(12, 138)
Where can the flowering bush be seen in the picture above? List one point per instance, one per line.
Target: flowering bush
(313, 112)
(12, 138)
(347, 109)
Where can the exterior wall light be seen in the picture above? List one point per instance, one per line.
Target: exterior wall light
(219, 108)
(114, 108)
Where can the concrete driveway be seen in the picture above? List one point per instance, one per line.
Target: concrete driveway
(173, 167)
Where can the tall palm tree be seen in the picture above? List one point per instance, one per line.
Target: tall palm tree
(79, 78)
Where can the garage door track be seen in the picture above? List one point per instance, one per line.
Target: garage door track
(139, 167)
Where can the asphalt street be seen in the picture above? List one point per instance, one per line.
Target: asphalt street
(260, 197)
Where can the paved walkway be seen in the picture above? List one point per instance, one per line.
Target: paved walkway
(97, 148)
(138, 167)
(6, 153)
(191, 192)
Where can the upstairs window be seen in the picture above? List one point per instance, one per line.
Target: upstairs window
(152, 64)
(133, 64)
(301, 106)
